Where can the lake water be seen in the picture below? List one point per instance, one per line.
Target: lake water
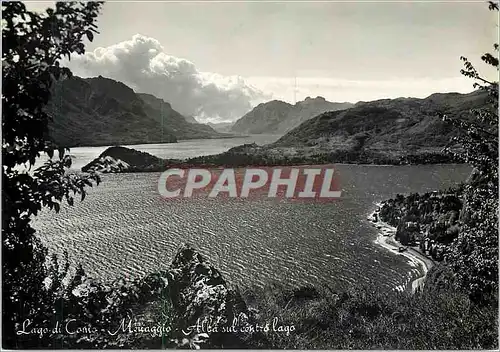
(81, 156)
(124, 228)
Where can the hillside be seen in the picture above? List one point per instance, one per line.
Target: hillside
(265, 117)
(388, 131)
(394, 127)
(190, 119)
(180, 126)
(307, 109)
(279, 117)
(101, 111)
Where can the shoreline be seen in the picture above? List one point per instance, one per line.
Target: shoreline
(385, 238)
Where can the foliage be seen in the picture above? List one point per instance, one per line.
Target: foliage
(474, 255)
(363, 318)
(33, 44)
(430, 219)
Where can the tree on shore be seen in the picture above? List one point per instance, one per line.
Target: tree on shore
(33, 43)
(474, 254)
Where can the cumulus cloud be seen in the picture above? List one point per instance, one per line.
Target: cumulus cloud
(142, 64)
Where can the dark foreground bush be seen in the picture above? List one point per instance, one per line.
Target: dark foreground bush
(191, 305)
(366, 319)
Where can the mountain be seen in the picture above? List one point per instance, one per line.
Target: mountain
(175, 122)
(101, 111)
(222, 127)
(265, 117)
(280, 117)
(394, 127)
(388, 131)
(307, 109)
(190, 119)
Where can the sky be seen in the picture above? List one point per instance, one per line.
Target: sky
(216, 60)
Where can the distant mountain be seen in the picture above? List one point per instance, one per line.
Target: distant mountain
(280, 117)
(265, 117)
(222, 127)
(101, 111)
(190, 119)
(307, 109)
(175, 122)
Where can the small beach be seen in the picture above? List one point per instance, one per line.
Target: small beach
(386, 239)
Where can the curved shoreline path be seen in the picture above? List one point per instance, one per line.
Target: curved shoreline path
(385, 238)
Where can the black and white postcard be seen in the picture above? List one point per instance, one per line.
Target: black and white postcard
(309, 175)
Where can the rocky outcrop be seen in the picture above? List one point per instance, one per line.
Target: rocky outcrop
(209, 314)
(108, 164)
(190, 300)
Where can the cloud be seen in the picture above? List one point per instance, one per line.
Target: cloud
(142, 64)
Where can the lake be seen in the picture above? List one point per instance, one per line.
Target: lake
(123, 227)
(182, 150)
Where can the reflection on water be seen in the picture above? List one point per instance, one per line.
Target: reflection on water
(124, 227)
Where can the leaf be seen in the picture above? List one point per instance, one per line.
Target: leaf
(90, 35)
(61, 151)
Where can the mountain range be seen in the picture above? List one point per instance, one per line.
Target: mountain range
(102, 111)
(394, 126)
(278, 117)
(388, 131)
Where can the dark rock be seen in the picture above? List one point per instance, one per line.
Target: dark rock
(199, 294)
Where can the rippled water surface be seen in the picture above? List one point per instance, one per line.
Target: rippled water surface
(124, 228)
